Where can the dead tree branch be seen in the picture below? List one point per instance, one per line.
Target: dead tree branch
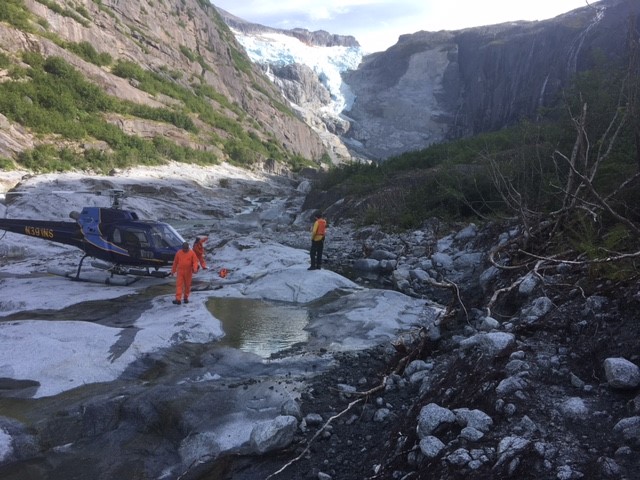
(596, 261)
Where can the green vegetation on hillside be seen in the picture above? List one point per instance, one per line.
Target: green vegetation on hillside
(80, 14)
(243, 147)
(87, 52)
(15, 13)
(54, 98)
(453, 180)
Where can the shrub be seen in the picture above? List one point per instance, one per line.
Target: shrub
(87, 52)
(187, 52)
(127, 69)
(6, 164)
(15, 13)
(66, 12)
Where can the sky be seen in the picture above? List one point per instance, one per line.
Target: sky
(377, 24)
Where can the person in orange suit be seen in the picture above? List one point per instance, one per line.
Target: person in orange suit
(198, 249)
(185, 264)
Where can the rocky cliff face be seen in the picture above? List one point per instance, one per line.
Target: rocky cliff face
(435, 86)
(182, 39)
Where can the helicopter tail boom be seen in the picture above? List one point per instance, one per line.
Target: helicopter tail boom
(67, 233)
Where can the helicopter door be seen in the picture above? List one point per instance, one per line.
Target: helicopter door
(130, 239)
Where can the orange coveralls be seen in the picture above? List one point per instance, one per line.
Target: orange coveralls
(198, 248)
(185, 264)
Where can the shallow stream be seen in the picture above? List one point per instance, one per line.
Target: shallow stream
(258, 326)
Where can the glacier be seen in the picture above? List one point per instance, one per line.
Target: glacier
(279, 49)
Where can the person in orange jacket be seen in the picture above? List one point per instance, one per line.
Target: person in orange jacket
(185, 264)
(318, 232)
(198, 249)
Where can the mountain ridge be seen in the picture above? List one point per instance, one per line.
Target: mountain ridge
(319, 38)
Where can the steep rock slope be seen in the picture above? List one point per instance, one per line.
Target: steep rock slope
(183, 41)
(435, 86)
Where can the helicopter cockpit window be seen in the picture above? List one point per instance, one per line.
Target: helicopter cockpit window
(164, 236)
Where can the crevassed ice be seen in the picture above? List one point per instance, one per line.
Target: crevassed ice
(326, 62)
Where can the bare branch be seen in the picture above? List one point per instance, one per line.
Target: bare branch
(610, 259)
(605, 205)
(500, 291)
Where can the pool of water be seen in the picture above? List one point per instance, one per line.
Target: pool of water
(260, 327)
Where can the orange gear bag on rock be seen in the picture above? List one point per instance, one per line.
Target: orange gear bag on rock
(223, 272)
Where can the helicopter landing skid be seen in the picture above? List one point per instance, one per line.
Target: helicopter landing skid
(95, 277)
(147, 273)
(123, 270)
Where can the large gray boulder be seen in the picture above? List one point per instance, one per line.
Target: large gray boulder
(431, 417)
(273, 434)
(621, 373)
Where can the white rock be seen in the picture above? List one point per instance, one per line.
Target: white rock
(629, 428)
(575, 408)
(471, 434)
(538, 308)
(459, 457)
(473, 418)
(6, 449)
(621, 373)
(431, 446)
(528, 285)
(509, 447)
(417, 366)
(489, 323)
(512, 384)
(431, 417)
(274, 434)
(491, 343)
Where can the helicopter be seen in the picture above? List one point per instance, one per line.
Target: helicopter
(118, 237)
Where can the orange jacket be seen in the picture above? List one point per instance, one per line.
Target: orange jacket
(319, 229)
(185, 262)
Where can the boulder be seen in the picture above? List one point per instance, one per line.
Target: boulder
(431, 417)
(621, 373)
(492, 343)
(273, 434)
